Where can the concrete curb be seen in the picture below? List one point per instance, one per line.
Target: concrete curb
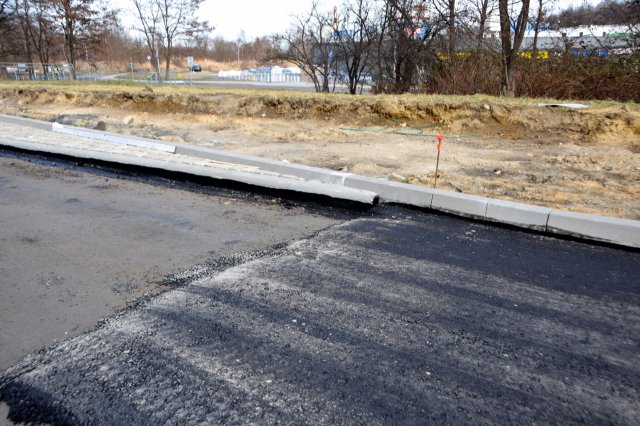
(301, 171)
(255, 179)
(362, 189)
(462, 204)
(393, 192)
(29, 122)
(613, 230)
(517, 214)
(110, 137)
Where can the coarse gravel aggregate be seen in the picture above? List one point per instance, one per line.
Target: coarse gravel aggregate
(396, 317)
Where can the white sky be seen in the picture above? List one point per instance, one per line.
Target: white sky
(259, 17)
(255, 17)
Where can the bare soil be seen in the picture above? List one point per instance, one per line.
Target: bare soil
(581, 160)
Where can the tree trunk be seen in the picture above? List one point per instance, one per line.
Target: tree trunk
(534, 48)
(483, 23)
(452, 29)
(508, 83)
(72, 55)
(168, 52)
(511, 47)
(325, 83)
(70, 36)
(167, 65)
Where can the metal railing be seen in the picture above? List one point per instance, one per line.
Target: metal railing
(263, 75)
(35, 71)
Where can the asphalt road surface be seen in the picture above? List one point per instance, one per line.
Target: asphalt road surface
(210, 79)
(78, 247)
(396, 316)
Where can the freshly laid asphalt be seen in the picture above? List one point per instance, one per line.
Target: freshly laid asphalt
(397, 316)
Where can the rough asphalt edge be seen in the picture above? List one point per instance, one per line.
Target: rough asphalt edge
(30, 406)
(272, 186)
(623, 232)
(36, 407)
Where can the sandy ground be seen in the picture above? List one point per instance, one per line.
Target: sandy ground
(586, 160)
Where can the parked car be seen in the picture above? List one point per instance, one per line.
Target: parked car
(196, 68)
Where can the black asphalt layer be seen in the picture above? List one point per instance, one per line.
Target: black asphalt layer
(79, 243)
(397, 317)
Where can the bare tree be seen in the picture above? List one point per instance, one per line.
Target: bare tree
(198, 35)
(75, 17)
(450, 14)
(11, 34)
(355, 36)
(511, 42)
(259, 49)
(606, 12)
(4, 9)
(484, 9)
(217, 48)
(391, 39)
(22, 11)
(177, 18)
(7, 8)
(634, 11)
(148, 12)
(38, 28)
(240, 41)
(405, 42)
(112, 43)
(451, 24)
(310, 44)
(165, 21)
(537, 26)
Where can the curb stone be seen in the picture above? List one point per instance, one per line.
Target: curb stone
(29, 122)
(608, 229)
(393, 192)
(111, 137)
(309, 179)
(462, 204)
(518, 214)
(301, 171)
(249, 178)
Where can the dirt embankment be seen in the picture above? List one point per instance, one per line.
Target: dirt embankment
(514, 121)
(583, 160)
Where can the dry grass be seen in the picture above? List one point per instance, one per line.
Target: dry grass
(336, 100)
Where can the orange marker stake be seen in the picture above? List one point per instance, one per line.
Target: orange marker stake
(435, 181)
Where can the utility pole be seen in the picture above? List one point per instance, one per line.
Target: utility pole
(239, 43)
(158, 58)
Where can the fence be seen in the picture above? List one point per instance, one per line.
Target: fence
(264, 75)
(35, 71)
(38, 71)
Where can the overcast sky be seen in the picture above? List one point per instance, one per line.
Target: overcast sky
(258, 17)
